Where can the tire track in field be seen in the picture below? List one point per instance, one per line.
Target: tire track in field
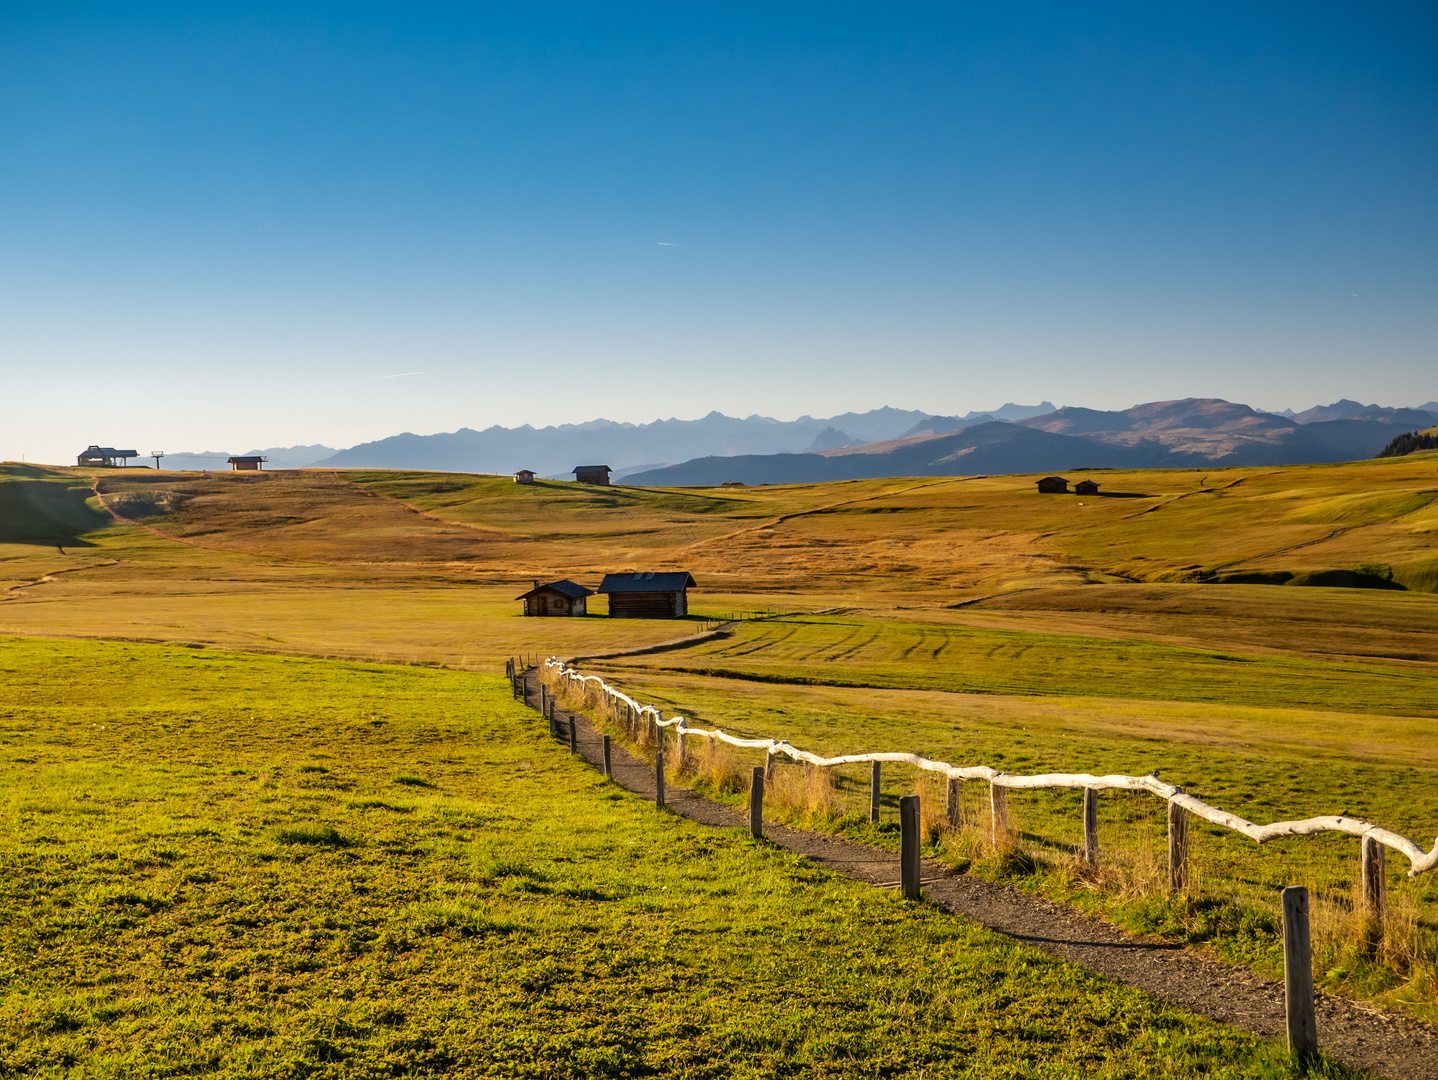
(1330, 536)
(782, 518)
(1361, 1036)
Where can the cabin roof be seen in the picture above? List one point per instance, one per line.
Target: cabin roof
(591, 468)
(246, 457)
(676, 581)
(564, 587)
(107, 451)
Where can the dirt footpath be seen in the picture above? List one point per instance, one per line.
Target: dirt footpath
(1360, 1036)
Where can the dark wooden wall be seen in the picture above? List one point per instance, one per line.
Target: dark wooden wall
(647, 605)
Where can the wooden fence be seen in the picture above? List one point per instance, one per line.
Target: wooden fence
(596, 691)
(647, 723)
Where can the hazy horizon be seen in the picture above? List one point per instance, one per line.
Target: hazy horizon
(253, 226)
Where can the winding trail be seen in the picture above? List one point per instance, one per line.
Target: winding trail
(1390, 1045)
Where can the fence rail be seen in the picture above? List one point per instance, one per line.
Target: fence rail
(1420, 861)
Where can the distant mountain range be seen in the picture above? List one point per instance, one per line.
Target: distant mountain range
(1164, 434)
(555, 451)
(887, 441)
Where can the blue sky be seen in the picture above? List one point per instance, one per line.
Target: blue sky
(241, 226)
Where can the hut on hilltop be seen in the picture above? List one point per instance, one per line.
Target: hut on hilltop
(247, 463)
(593, 474)
(524, 476)
(1053, 485)
(1085, 487)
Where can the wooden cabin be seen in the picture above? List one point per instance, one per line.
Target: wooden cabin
(562, 597)
(524, 476)
(648, 595)
(1085, 487)
(593, 474)
(246, 463)
(1053, 485)
(104, 456)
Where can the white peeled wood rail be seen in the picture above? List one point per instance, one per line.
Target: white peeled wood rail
(1420, 861)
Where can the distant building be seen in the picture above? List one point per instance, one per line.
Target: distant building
(250, 463)
(104, 456)
(1085, 487)
(1053, 485)
(648, 595)
(562, 597)
(732, 483)
(524, 476)
(593, 474)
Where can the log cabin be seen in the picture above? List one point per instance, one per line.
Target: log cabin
(648, 595)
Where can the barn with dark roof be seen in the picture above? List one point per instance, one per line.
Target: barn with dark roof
(648, 595)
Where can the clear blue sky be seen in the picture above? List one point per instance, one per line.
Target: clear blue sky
(233, 226)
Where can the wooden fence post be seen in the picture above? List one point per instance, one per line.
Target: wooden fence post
(756, 803)
(1298, 975)
(1090, 826)
(769, 764)
(679, 743)
(874, 777)
(541, 697)
(1177, 847)
(659, 778)
(909, 846)
(1375, 888)
(573, 733)
(608, 771)
(999, 812)
(953, 805)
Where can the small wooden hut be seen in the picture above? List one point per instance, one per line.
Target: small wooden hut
(562, 597)
(524, 476)
(1053, 485)
(593, 474)
(247, 463)
(1085, 487)
(648, 595)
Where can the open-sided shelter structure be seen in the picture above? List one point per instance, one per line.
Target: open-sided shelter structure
(562, 597)
(648, 595)
(105, 456)
(247, 463)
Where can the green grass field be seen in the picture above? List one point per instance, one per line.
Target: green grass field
(971, 619)
(226, 864)
(867, 652)
(1288, 754)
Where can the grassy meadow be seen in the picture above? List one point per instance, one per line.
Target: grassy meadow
(1265, 763)
(1267, 637)
(229, 864)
